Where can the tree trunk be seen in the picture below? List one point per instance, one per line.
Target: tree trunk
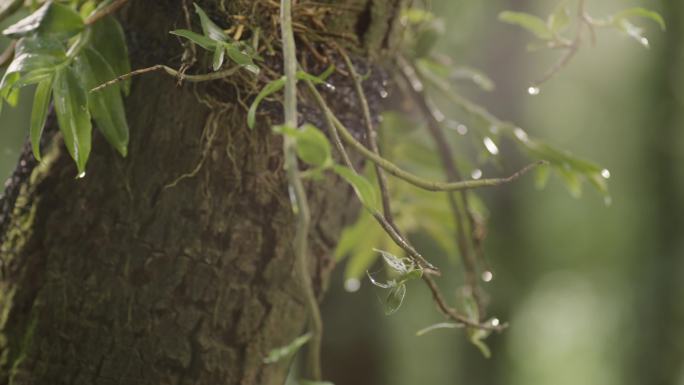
(174, 265)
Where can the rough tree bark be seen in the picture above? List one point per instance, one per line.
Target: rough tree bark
(126, 277)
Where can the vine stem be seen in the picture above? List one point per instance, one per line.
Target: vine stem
(295, 181)
(413, 179)
(181, 76)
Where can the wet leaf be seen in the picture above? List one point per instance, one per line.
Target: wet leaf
(71, 105)
(108, 39)
(640, 12)
(209, 28)
(51, 18)
(106, 105)
(443, 325)
(219, 55)
(41, 102)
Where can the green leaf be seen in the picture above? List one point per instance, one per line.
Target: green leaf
(51, 18)
(443, 325)
(106, 105)
(529, 22)
(363, 188)
(631, 30)
(559, 20)
(70, 99)
(196, 38)
(541, 176)
(478, 77)
(278, 354)
(640, 12)
(241, 58)
(209, 28)
(270, 88)
(108, 39)
(395, 263)
(219, 55)
(394, 299)
(41, 102)
(313, 146)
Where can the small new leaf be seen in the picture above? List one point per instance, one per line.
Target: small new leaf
(529, 22)
(270, 88)
(363, 188)
(287, 351)
(394, 299)
(209, 28)
(196, 38)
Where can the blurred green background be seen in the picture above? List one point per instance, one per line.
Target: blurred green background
(594, 294)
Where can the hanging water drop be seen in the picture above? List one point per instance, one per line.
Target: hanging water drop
(476, 174)
(490, 145)
(384, 94)
(487, 276)
(605, 173)
(520, 134)
(495, 322)
(352, 285)
(644, 42)
(81, 175)
(329, 86)
(533, 90)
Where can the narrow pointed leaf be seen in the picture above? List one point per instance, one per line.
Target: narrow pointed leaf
(106, 105)
(219, 55)
(278, 354)
(270, 88)
(196, 38)
(109, 40)
(394, 299)
(41, 102)
(71, 105)
(241, 58)
(51, 18)
(363, 188)
(209, 28)
(529, 22)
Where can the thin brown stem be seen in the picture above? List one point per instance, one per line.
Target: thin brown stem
(182, 77)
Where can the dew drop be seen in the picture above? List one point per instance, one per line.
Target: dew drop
(81, 175)
(605, 173)
(495, 322)
(521, 134)
(644, 42)
(329, 86)
(533, 90)
(462, 129)
(384, 94)
(491, 146)
(476, 174)
(487, 276)
(352, 285)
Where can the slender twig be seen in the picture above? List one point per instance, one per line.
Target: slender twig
(295, 181)
(572, 47)
(108, 10)
(370, 133)
(183, 77)
(458, 200)
(386, 224)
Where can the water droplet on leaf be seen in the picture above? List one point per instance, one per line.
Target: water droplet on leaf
(81, 175)
(491, 146)
(533, 91)
(521, 134)
(605, 173)
(644, 42)
(495, 322)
